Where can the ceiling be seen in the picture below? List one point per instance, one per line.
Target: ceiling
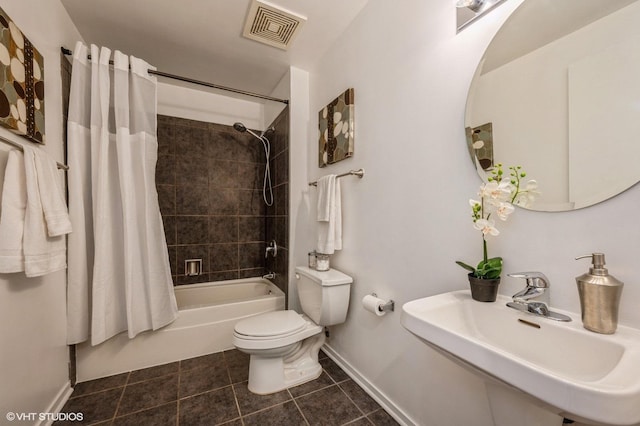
(202, 39)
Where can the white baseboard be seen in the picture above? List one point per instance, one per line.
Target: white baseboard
(375, 393)
(58, 402)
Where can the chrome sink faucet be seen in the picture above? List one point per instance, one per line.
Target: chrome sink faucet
(534, 298)
(537, 285)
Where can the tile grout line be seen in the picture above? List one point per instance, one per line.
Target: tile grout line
(298, 407)
(95, 392)
(354, 403)
(233, 389)
(178, 392)
(144, 409)
(359, 418)
(150, 407)
(151, 378)
(266, 408)
(235, 399)
(124, 388)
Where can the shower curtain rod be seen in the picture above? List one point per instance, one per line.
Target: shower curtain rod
(198, 82)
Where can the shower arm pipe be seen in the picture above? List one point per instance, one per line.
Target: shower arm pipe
(359, 173)
(200, 83)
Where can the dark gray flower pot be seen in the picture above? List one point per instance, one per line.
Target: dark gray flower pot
(484, 290)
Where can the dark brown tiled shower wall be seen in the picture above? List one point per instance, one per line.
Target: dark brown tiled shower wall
(277, 216)
(209, 181)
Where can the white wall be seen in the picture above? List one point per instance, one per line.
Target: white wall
(294, 86)
(33, 352)
(408, 220)
(194, 103)
(281, 91)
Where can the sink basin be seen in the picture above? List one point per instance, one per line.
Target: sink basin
(583, 375)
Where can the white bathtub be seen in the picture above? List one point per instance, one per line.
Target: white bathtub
(208, 314)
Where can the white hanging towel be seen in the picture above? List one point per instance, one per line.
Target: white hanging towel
(54, 206)
(43, 253)
(329, 215)
(14, 205)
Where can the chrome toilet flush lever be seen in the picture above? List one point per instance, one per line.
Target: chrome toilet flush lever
(537, 286)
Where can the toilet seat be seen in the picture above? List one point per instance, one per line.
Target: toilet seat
(257, 332)
(270, 325)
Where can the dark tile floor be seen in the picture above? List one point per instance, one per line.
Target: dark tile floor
(212, 390)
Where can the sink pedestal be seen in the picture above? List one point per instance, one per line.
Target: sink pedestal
(510, 406)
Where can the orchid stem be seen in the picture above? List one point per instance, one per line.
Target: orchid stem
(484, 249)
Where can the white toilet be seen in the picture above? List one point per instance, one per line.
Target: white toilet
(284, 345)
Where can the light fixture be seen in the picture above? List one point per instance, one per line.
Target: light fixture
(470, 10)
(475, 5)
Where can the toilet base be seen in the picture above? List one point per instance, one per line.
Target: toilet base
(272, 374)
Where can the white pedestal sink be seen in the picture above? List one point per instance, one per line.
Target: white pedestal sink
(562, 369)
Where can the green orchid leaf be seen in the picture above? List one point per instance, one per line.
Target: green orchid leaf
(491, 269)
(465, 266)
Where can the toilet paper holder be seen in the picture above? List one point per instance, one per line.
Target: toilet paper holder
(387, 307)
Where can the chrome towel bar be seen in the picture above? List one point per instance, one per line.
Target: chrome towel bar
(18, 146)
(359, 173)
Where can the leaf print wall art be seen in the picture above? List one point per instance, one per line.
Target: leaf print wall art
(336, 129)
(21, 83)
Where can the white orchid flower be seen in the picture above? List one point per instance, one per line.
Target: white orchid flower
(531, 185)
(495, 192)
(524, 199)
(528, 195)
(486, 226)
(504, 210)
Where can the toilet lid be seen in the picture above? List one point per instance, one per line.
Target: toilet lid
(271, 324)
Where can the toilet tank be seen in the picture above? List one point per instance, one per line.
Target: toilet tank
(324, 296)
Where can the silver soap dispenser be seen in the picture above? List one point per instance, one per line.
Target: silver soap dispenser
(599, 296)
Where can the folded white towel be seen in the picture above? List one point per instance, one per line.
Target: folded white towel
(14, 204)
(329, 230)
(326, 189)
(42, 254)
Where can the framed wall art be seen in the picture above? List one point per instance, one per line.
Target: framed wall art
(336, 125)
(21, 83)
(480, 144)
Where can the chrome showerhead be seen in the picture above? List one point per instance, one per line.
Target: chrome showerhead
(240, 127)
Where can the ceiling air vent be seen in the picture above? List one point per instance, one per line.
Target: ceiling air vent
(272, 25)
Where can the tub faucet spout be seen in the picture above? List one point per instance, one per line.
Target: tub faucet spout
(269, 276)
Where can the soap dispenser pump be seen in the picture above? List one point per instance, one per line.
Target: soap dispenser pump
(599, 296)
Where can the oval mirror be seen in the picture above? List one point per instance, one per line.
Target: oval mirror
(558, 92)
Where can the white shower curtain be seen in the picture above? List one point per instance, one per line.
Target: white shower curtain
(118, 275)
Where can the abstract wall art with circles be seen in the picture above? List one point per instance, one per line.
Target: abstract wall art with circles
(336, 126)
(21, 83)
